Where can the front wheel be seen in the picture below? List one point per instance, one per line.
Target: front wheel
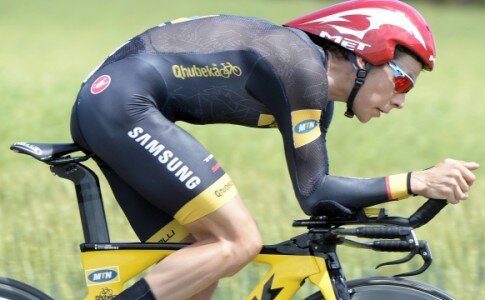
(11, 289)
(385, 288)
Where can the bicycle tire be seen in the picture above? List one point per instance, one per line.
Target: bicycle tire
(12, 289)
(390, 288)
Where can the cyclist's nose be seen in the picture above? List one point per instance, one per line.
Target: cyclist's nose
(397, 101)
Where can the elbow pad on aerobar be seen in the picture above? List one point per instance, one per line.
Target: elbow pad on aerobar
(347, 191)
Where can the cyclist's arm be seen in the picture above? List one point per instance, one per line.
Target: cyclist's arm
(349, 191)
(354, 192)
(305, 148)
(357, 192)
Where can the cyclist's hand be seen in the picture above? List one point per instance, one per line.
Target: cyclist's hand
(450, 180)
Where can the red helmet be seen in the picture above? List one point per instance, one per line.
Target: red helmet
(372, 29)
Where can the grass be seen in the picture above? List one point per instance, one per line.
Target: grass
(49, 47)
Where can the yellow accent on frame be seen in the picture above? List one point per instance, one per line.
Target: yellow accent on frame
(305, 126)
(289, 271)
(129, 263)
(208, 201)
(323, 281)
(286, 271)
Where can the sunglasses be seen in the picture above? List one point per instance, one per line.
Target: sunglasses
(403, 83)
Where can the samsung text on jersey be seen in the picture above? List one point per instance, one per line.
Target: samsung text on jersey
(165, 156)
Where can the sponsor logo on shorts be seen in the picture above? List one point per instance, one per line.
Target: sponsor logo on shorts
(208, 158)
(167, 236)
(222, 70)
(220, 192)
(166, 157)
(215, 167)
(100, 84)
(306, 126)
(101, 276)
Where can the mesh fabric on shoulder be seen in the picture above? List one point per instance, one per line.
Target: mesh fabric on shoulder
(205, 34)
(133, 46)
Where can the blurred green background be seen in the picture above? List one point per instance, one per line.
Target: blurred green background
(48, 47)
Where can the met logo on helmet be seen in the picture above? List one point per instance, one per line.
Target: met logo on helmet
(345, 42)
(347, 22)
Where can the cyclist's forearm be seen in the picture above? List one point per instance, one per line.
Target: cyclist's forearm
(357, 192)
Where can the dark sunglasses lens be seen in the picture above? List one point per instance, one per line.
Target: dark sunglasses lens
(402, 84)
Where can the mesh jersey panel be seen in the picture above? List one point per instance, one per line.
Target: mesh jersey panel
(133, 46)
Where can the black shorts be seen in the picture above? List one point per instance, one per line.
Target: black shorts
(160, 175)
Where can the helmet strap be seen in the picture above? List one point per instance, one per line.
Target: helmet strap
(359, 81)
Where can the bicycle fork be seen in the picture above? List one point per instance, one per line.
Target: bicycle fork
(327, 250)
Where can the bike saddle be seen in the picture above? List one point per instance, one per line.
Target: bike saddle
(43, 151)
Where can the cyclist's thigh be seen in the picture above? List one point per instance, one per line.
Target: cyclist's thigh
(150, 223)
(230, 222)
(158, 159)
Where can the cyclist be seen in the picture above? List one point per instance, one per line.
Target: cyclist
(245, 71)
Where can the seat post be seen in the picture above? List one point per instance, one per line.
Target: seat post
(89, 199)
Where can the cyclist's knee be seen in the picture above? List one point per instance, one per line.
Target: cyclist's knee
(253, 244)
(244, 247)
(249, 238)
(239, 253)
(234, 229)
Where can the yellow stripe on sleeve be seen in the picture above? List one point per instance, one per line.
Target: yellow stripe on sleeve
(306, 126)
(208, 201)
(397, 186)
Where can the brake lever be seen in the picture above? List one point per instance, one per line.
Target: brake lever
(399, 261)
(423, 250)
(425, 254)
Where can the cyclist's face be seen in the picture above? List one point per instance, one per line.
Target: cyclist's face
(378, 94)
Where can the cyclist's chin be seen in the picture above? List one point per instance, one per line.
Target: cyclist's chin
(367, 115)
(363, 118)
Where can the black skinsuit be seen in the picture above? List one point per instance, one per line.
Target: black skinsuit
(216, 69)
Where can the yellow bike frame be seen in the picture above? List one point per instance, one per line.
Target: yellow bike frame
(106, 271)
